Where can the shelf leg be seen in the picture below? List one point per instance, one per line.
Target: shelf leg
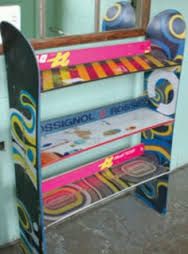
(155, 194)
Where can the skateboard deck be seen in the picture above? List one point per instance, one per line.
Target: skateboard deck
(23, 85)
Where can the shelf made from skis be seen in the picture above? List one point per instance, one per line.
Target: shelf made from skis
(71, 193)
(81, 73)
(71, 135)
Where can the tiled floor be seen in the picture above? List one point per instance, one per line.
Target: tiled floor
(126, 226)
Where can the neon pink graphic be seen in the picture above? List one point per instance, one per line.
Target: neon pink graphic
(52, 60)
(92, 168)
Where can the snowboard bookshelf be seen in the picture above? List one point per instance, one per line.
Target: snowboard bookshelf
(145, 167)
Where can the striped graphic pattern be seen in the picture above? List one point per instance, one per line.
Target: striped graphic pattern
(63, 77)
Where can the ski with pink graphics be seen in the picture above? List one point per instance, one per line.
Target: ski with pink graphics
(60, 59)
(92, 168)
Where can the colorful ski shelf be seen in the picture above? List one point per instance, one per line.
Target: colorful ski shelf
(81, 73)
(63, 144)
(61, 59)
(68, 200)
(167, 32)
